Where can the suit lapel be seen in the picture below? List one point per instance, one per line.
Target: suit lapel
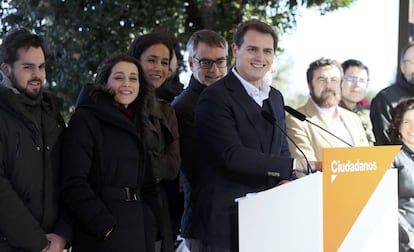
(315, 117)
(247, 105)
(352, 129)
(273, 108)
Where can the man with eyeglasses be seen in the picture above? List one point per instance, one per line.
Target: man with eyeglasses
(324, 79)
(353, 89)
(388, 98)
(208, 62)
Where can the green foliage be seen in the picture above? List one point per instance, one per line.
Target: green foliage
(80, 34)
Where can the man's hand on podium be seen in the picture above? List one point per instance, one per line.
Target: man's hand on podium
(282, 182)
(316, 166)
(302, 166)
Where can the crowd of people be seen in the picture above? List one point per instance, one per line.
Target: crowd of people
(143, 162)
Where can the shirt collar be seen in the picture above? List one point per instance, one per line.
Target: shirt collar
(258, 94)
(324, 114)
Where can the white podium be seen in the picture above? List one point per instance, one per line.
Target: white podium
(351, 206)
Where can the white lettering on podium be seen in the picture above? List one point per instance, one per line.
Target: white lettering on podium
(338, 167)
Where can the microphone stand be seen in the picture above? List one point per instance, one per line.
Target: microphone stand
(298, 115)
(270, 118)
(340, 139)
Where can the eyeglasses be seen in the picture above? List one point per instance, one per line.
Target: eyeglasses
(208, 63)
(355, 79)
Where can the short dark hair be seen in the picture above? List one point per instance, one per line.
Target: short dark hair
(354, 63)
(172, 41)
(257, 25)
(14, 40)
(397, 115)
(208, 37)
(404, 51)
(143, 42)
(321, 63)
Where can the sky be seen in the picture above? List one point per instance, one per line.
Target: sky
(367, 31)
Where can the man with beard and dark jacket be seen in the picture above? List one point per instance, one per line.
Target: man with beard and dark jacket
(388, 98)
(30, 130)
(208, 62)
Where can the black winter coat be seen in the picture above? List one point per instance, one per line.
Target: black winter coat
(382, 105)
(184, 106)
(161, 139)
(29, 159)
(102, 155)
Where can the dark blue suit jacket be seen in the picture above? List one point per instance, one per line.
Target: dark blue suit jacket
(237, 155)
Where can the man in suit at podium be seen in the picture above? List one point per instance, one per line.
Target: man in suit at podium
(241, 150)
(324, 77)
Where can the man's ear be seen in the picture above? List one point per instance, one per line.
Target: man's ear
(6, 69)
(190, 62)
(234, 49)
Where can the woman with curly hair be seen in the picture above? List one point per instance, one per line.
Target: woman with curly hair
(401, 131)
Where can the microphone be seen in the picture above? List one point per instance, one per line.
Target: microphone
(272, 120)
(298, 115)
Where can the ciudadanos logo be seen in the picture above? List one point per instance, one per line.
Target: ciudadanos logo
(350, 166)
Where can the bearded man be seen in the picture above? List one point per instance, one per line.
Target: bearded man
(31, 218)
(324, 78)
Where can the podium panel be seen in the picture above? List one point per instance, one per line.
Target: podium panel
(351, 206)
(285, 218)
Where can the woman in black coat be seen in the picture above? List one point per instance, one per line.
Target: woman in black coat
(400, 132)
(104, 161)
(161, 138)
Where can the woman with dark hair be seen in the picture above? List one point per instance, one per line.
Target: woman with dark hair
(401, 131)
(103, 166)
(161, 139)
(172, 86)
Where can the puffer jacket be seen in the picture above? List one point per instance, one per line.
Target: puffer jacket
(29, 168)
(102, 155)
